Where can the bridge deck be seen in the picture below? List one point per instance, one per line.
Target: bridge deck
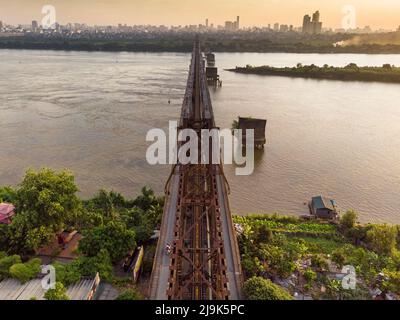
(205, 263)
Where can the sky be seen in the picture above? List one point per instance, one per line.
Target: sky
(375, 13)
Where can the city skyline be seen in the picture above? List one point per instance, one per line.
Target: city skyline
(178, 12)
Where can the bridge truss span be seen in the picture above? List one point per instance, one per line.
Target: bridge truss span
(204, 263)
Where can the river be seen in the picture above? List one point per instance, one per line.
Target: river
(90, 112)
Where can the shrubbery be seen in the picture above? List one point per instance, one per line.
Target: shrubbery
(258, 288)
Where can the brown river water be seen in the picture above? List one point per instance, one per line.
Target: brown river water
(90, 112)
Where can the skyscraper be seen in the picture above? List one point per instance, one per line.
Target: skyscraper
(237, 23)
(307, 24)
(1, 25)
(316, 24)
(34, 25)
(313, 26)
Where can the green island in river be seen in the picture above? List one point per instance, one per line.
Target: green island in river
(351, 72)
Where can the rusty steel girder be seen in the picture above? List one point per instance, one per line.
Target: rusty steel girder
(198, 264)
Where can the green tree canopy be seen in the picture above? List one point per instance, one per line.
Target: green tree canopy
(6, 263)
(26, 271)
(58, 293)
(258, 288)
(130, 294)
(382, 238)
(349, 219)
(46, 201)
(48, 196)
(7, 194)
(114, 237)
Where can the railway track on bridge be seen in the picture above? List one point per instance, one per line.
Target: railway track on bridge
(204, 263)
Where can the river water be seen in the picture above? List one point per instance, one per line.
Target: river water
(90, 112)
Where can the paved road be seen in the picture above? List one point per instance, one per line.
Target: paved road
(232, 254)
(159, 283)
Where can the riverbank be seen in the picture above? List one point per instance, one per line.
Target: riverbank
(315, 259)
(221, 43)
(352, 72)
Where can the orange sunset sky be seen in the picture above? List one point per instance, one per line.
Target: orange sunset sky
(376, 13)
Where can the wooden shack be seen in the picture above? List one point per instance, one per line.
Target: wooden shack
(323, 208)
(259, 127)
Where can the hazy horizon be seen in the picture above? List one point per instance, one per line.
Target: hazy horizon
(380, 14)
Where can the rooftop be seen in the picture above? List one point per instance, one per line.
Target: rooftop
(6, 211)
(12, 289)
(323, 203)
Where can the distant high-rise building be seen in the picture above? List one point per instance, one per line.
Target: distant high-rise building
(1, 25)
(307, 24)
(35, 25)
(206, 23)
(233, 25)
(228, 25)
(276, 26)
(283, 28)
(313, 26)
(315, 16)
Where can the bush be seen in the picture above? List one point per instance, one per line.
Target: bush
(6, 263)
(258, 288)
(25, 271)
(67, 274)
(338, 257)
(130, 294)
(318, 261)
(58, 293)
(382, 238)
(310, 276)
(349, 219)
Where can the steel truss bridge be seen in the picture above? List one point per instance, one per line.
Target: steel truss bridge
(204, 262)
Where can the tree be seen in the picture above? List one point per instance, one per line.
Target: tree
(382, 238)
(104, 202)
(101, 263)
(258, 288)
(4, 237)
(46, 200)
(114, 237)
(130, 294)
(58, 293)
(49, 196)
(146, 199)
(7, 194)
(349, 219)
(68, 274)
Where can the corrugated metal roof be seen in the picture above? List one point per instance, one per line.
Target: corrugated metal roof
(80, 291)
(322, 203)
(12, 289)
